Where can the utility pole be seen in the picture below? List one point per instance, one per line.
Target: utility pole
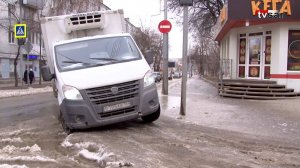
(165, 54)
(185, 4)
(40, 60)
(21, 56)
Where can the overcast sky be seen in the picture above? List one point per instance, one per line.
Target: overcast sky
(147, 13)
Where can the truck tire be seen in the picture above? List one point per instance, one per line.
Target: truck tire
(66, 129)
(152, 117)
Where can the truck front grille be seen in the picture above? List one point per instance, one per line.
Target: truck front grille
(102, 95)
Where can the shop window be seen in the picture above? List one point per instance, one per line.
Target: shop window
(268, 50)
(254, 71)
(242, 71)
(267, 72)
(294, 51)
(242, 55)
(11, 37)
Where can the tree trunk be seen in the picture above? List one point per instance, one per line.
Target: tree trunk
(15, 66)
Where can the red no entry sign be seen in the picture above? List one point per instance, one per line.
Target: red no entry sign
(165, 26)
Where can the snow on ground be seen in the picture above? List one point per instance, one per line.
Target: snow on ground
(15, 132)
(95, 152)
(12, 166)
(26, 158)
(22, 92)
(12, 149)
(11, 140)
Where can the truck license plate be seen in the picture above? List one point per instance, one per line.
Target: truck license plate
(116, 106)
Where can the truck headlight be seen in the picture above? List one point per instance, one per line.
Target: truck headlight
(71, 93)
(149, 79)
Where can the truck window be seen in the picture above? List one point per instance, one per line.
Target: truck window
(95, 52)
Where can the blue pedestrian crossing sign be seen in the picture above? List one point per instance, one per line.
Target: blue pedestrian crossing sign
(20, 31)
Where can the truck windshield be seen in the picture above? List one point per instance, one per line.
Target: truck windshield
(95, 52)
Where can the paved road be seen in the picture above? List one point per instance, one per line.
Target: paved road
(30, 136)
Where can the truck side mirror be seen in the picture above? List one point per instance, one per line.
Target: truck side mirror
(46, 73)
(149, 56)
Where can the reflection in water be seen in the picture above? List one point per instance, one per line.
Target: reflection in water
(169, 102)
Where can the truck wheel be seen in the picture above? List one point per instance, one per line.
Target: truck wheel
(152, 117)
(66, 129)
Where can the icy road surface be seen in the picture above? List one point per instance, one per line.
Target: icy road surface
(215, 133)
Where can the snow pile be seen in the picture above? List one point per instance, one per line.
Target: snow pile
(11, 149)
(14, 133)
(96, 153)
(66, 143)
(12, 166)
(26, 158)
(12, 140)
(99, 157)
(21, 92)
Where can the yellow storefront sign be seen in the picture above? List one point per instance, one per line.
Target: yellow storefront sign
(284, 6)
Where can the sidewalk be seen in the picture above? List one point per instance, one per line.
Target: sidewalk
(10, 84)
(270, 118)
(8, 89)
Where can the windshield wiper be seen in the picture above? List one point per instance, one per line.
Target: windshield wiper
(105, 59)
(75, 62)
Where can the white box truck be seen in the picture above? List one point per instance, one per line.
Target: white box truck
(100, 75)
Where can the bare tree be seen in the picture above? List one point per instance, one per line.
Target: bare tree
(205, 55)
(203, 15)
(148, 39)
(62, 7)
(202, 18)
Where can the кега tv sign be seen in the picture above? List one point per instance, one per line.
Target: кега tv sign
(271, 8)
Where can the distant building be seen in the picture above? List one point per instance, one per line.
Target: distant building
(260, 40)
(9, 16)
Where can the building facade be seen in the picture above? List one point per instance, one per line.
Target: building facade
(9, 16)
(260, 39)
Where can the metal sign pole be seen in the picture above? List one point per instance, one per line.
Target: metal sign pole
(184, 61)
(165, 55)
(27, 60)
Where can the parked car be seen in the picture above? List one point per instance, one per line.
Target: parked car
(157, 76)
(176, 75)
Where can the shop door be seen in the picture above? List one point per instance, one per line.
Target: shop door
(255, 62)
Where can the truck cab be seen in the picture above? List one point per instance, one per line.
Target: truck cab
(100, 75)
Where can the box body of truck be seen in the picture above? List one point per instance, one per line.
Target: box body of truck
(100, 75)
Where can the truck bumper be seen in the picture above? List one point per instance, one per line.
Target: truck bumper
(83, 114)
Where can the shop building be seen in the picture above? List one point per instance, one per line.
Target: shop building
(260, 41)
